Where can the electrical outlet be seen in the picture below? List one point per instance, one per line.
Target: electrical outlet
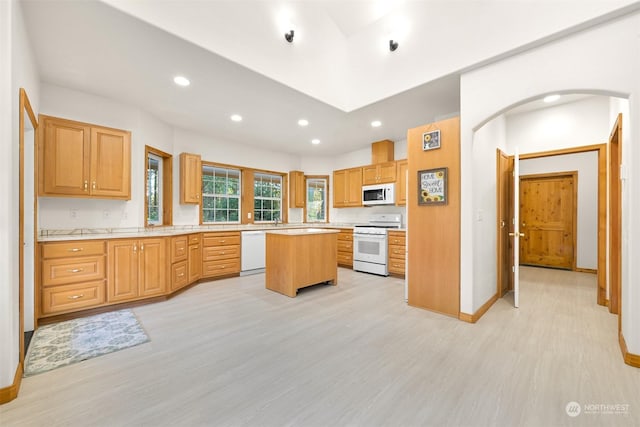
(73, 213)
(249, 215)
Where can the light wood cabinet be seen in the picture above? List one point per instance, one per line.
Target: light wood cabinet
(137, 269)
(382, 151)
(297, 197)
(380, 173)
(195, 258)
(401, 182)
(83, 160)
(397, 252)
(220, 254)
(345, 248)
(71, 277)
(190, 178)
(347, 188)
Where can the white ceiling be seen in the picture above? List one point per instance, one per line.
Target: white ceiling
(338, 73)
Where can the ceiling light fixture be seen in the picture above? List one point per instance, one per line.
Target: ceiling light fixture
(181, 81)
(551, 98)
(376, 123)
(303, 122)
(236, 118)
(315, 141)
(289, 36)
(393, 45)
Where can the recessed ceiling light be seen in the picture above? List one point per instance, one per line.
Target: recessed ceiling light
(376, 123)
(181, 81)
(315, 141)
(303, 122)
(551, 98)
(236, 118)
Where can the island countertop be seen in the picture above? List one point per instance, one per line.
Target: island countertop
(302, 231)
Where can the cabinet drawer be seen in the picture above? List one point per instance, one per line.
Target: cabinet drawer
(71, 270)
(213, 240)
(220, 267)
(194, 239)
(178, 248)
(396, 252)
(77, 248)
(396, 238)
(58, 299)
(345, 246)
(346, 236)
(345, 258)
(179, 276)
(396, 266)
(220, 252)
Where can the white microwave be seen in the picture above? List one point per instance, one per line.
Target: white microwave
(379, 194)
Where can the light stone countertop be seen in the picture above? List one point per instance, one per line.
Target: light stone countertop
(51, 235)
(303, 231)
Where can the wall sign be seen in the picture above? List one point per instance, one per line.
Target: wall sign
(431, 140)
(432, 187)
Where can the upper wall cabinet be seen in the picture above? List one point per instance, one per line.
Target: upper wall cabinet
(401, 187)
(380, 173)
(190, 178)
(296, 189)
(347, 188)
(83, 160)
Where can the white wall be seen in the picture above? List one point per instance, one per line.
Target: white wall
(564, 66)
(485, 141)
(17, 69)
(586, 164)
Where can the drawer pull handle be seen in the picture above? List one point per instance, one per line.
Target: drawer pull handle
(76, 270)
(196, 247)
(222, 241)
(222, 253)
(141, 247)
(75, 249)
(75, 296)
(181, 275)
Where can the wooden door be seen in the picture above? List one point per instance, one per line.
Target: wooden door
(195, 263)
(401, 179)
(354, 182)
(615, 216)
(190, 178)
(63, 158)
(339, 188)
(547, 219)
(387, 172)
(370, 175)
(122, 279)
(110, 163)
(504, 176)
(153, 267)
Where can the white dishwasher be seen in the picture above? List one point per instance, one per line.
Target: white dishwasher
(253, 252)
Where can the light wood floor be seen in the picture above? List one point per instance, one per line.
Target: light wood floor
(232, 353)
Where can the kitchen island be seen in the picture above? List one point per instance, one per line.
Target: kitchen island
(302, 257)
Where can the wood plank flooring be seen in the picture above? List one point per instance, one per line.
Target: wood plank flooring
(230, 353)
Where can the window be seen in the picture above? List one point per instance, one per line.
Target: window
(220, 194)
(316, 203)
(158, 187)
(267, 197)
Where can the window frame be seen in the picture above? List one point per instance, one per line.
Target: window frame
(166, 186)
(280, 199)
(240, 196)
(326, 198)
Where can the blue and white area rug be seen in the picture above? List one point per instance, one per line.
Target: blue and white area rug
(72, 341)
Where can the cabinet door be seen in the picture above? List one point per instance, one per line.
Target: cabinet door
(195, 263)
(64, 160)
(401, 180)
(153, 267)
(387, 172)
(190, 178)
(370, 175)
(110, 163)
(339, 188)
(354, 182)
(122, 279)
(178, 248)
(296, 189)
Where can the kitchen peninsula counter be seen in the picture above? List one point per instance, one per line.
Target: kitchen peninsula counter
(300, 257)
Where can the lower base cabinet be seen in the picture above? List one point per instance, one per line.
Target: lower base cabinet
(220, 254)
(397, 252)
(137, 269)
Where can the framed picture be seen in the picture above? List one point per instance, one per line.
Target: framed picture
(431, 140)
(432, 187)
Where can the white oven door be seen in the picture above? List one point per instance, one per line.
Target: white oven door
(370, 248)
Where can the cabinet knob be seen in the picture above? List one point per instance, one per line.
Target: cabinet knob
(142, 247)
(86, 185)
(135, 248)
(93, 185)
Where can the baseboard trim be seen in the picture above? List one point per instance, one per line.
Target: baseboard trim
(7, 394)
(586, 270)
(629, 358)
(473, 318)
